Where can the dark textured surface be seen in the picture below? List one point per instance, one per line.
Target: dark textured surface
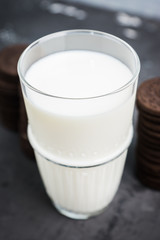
(26, 213)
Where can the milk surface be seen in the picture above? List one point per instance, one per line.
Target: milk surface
(80, 132)
(78, 74)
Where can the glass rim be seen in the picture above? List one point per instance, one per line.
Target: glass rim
(79, 31)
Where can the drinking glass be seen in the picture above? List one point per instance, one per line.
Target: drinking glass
(80, 144)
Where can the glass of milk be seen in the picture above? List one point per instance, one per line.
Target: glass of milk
(79, 89)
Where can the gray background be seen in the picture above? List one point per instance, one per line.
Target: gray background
(146, 8)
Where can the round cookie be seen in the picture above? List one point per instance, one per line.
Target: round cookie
(153, 126)
(9, 84)
(149, 132)
(150, 117)
(9, 57)
(147, 172)
(148, 161)
(9, 118)
(23, 123)
(148, 97)
(148, 152)
(151, 141)
(8, 87)
(142, 140)
(151, 168)
(26, 147)
(148, 181)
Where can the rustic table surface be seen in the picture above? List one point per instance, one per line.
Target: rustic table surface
(26, 212)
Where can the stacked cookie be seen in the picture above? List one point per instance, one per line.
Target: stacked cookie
(23, 124)
(12, 110)
(9, 82)
(148, 144)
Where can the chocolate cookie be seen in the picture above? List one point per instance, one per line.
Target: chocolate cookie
(142, 140)
(9, 57)
(150, 140)
(9, 105)
(9, 83)
(150, 117)
(151, 168)
(23, 123)
(148, 181)
(151, 133)
(9, 88)
(148, 123)
(9, 118)
(149, 152)
(148, 96)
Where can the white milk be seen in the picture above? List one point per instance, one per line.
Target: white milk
(80, 132)
(77, 74)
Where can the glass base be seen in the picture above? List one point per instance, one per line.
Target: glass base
(77, 216)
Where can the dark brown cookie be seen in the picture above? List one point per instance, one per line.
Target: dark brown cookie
(141, 139)
(26, 147)
(150, 117)
(147, 172)
(151, 168)
(8, 78)
(152, 126)
(149, 152)
(148, 181)
(148, 96)
(150, 140)
(9, 101)
(9, 118)
(9, 57)
(9, 84)
(146, 130)
(23, 123)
